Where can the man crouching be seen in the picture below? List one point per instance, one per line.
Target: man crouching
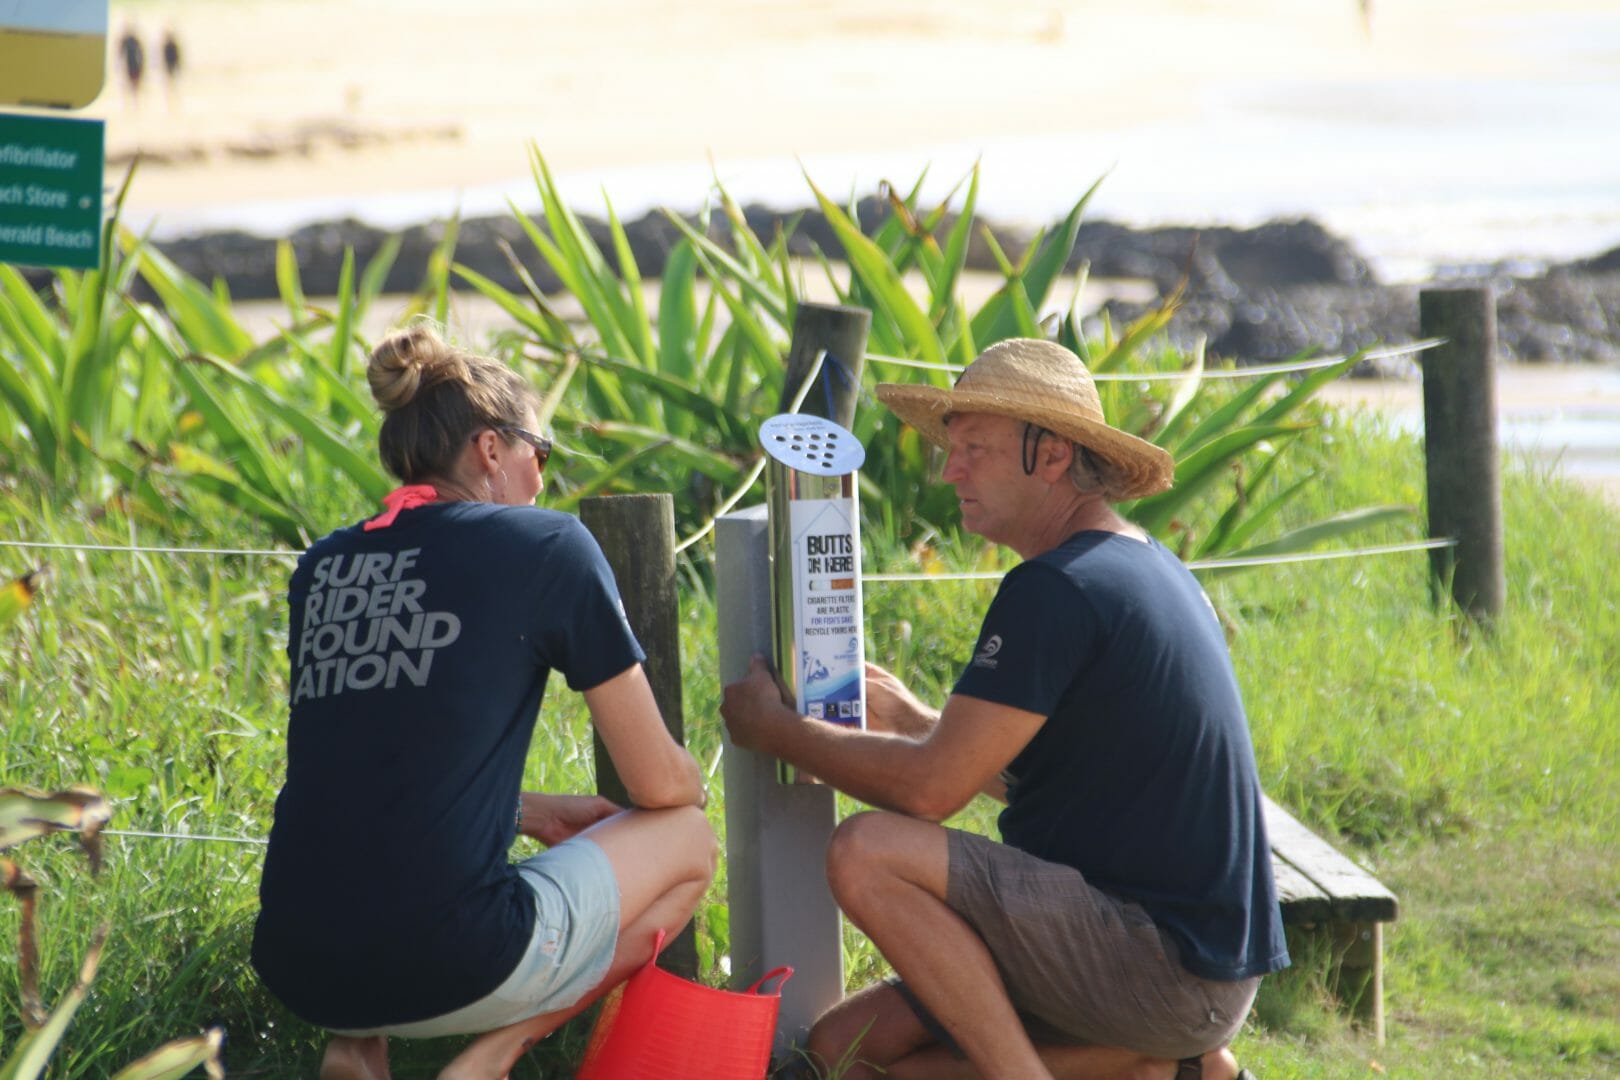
(1121, 926)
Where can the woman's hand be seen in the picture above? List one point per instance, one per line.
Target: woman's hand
(551, 819)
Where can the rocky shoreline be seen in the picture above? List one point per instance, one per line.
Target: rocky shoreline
(1255, 295)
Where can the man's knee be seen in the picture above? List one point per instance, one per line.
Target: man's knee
(856, 853)
(871, 851)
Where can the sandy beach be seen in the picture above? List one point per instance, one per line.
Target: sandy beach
(285, 99)
(1555, 416)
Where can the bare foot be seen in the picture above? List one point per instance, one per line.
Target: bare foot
(491, 1055)
(1219, 1065)
(350, 1058)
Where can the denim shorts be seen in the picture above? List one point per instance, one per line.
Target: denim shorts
(576, 930)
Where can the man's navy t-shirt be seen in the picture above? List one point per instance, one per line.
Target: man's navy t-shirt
(420, 652)
(1143, 776)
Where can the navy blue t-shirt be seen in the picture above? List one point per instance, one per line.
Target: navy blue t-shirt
(1143, 776)
(420, 652)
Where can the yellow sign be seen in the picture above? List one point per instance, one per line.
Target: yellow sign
(53, 53)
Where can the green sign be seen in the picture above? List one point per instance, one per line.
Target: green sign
(50, 191)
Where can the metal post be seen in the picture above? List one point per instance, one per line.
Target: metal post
(782, 911)
(637, 534)
(815, 594)
(1460, 446)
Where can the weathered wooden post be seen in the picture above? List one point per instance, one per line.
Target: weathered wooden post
(1460, 446)
(637, 534)
(782, 911)
(840, 330)
(1359, 948)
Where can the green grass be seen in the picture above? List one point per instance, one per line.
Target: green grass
(1473, 772)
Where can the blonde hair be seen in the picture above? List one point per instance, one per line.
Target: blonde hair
(435, 397)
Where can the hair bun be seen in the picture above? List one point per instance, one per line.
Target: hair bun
(408, 361)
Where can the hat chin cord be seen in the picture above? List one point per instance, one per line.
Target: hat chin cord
(1032, 446)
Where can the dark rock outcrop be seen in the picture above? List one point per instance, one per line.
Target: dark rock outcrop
(1218, 261)
(1221, 262)
(1270, 325)
(1564, 316)
(1606, 263)
(1255, 295)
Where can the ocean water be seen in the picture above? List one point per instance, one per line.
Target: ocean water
(1564, 418)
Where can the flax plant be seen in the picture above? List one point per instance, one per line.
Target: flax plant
(268, 427)
(70, 380)
(671, 401)
(174, 402)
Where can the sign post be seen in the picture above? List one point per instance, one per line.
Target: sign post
(782, 911)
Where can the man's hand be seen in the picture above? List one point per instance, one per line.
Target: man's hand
(891, 707)
(551, 819)
(754, 704)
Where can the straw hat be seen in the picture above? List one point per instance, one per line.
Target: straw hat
(1045, 384)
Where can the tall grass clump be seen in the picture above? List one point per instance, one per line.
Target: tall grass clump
(1470, 768)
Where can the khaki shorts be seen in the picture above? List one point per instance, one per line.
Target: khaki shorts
(1081, 966)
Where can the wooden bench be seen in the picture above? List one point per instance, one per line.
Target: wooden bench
(1321, 889)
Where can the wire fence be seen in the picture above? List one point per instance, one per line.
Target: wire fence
(907, 578)
(251, 841)
(1196, 564)
(1247, 372)
(1233, 562)
(138, 549)
(911, 578)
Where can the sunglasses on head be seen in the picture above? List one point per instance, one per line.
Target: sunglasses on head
(541, 444)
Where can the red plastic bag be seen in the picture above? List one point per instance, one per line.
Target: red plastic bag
(658, 1026)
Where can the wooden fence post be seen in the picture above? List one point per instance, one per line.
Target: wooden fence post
(637, 534)
(840, 330)
(1460, 446)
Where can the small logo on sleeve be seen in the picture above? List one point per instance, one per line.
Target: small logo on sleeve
(986, 656)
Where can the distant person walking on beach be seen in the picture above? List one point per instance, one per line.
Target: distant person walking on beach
(132, 54)
(171, 55)
(171, 63)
